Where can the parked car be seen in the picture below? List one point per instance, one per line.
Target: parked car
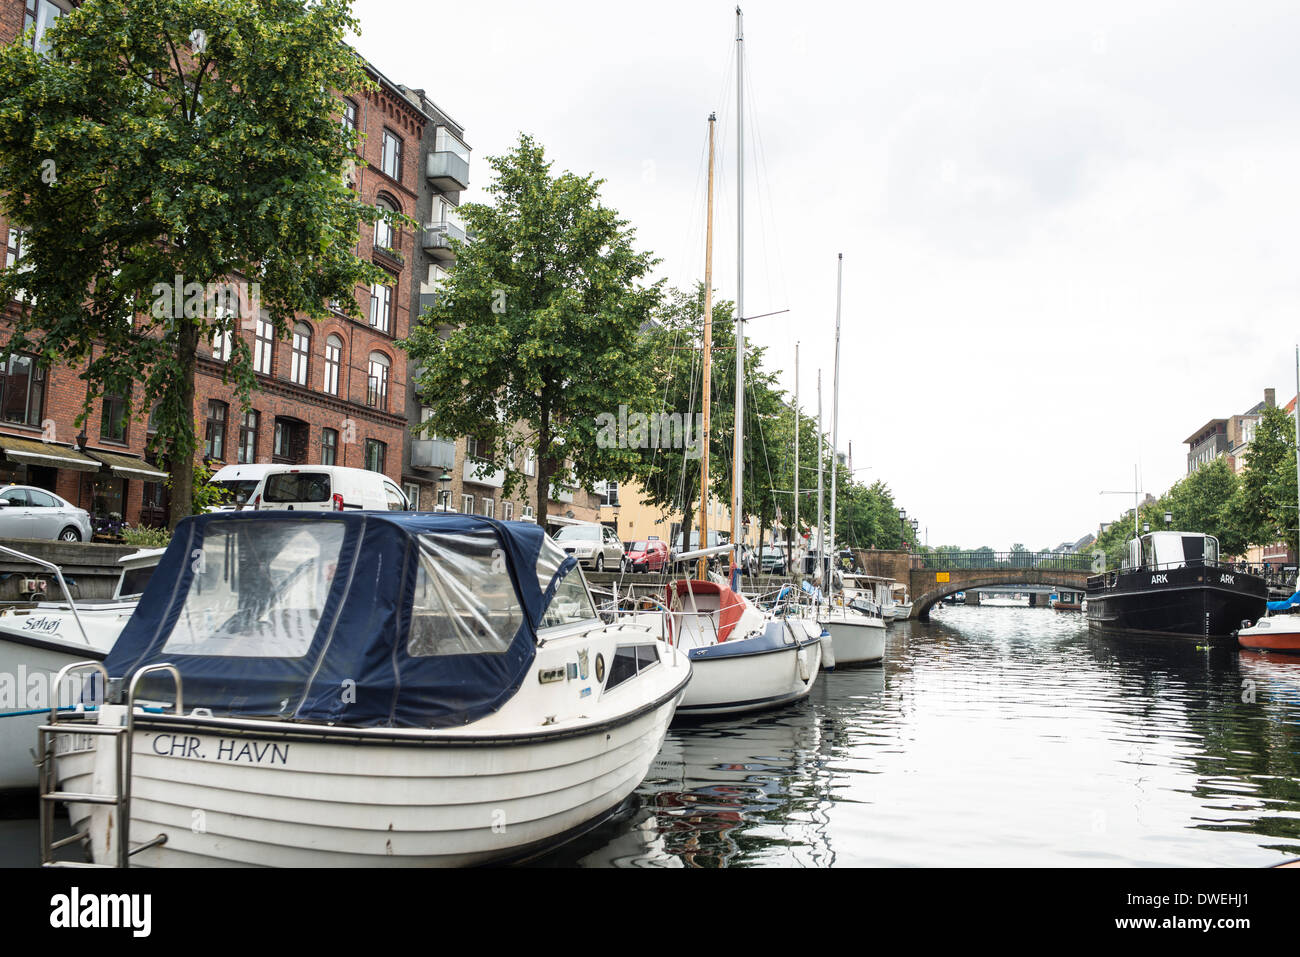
(319, 488)
(650, 555)
(772, 561)
(715, 561)
(29, 512)
(594, 546)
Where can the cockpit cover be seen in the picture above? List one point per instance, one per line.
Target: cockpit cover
(366, 619)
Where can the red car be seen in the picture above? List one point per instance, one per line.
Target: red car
(648, 556)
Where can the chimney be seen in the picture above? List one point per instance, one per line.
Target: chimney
(1270, 398)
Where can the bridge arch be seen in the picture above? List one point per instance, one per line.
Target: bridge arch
(927, 590)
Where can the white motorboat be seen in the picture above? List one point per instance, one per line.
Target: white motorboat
(364, 688)
(39, 638)
(858, 635)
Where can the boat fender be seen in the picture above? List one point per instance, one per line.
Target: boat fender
(804, 673)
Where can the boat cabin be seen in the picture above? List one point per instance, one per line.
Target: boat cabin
(1171, 550)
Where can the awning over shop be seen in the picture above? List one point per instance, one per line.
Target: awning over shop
(29, 452)
(128, 466)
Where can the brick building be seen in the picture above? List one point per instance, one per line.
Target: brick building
(332, 394)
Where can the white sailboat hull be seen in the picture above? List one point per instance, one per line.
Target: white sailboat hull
(752, 682)
(858, 640)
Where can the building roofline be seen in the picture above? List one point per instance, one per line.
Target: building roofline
(1193, 437)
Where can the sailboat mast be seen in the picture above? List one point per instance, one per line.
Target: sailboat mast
(708, 358)
(738, 443)
(794, 539)
(835, 406)
(821, 510)
(1297, 432)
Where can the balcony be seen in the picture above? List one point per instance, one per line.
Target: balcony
(433, 454)
(494, 478)
(560, 493)
(437, 239)
(448, 165)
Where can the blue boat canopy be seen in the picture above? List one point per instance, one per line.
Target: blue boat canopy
(369, 619)
(1286, 604)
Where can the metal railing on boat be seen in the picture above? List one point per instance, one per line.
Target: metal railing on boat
(120, 801)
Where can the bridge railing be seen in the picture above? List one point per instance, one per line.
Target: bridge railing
(991, 561)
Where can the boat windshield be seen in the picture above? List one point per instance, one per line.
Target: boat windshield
(465, 602)
(572, 602)
(257, 590)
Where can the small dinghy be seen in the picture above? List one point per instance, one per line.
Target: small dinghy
(360, 689)
(1279, 631)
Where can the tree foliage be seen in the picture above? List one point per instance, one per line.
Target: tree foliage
(160, 141)
(535, 335)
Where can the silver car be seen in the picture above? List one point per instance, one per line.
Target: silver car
(594, 546)
(28, 512)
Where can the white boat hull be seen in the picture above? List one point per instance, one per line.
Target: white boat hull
(858, 640)
(226, 796)
(768, 680)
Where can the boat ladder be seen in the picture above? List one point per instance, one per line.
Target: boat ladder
(120, 799)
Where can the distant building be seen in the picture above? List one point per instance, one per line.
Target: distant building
(1229, 437)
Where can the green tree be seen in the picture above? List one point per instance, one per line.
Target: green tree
(177, 141)
(1268, 484)
(539, 325)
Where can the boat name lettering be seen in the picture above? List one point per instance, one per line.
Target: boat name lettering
(1160, 579)
(228, 749)
(547, 675)
(1227, 579)
(44, 625)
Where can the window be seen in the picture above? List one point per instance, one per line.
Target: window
(214, 437)
(528, 511)
(333, 358)
(467, 504)
(14, 249)
(385, 235)
(264, 346)
(376, 453)
(396, 498)
(377, 382)
(392, 161)
(22, 391)
(42, 14)
(329, 446)
(508, 511)
(530, 462)
(349, 115)
(248, 437)
(301, 353)
(222, 346)
(381, 304)
(489, 508)
(464, 600)
(290, 444)
(412, 495)
(112, 423)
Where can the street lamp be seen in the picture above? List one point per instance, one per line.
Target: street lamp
(444, 492)
(1169, 517)
(1146, 527)
(902, 518)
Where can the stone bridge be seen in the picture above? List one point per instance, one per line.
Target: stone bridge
(928, 586)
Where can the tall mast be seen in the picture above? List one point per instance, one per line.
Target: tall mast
(821, 510)
(835, 408)
(738, 443)
(703, 572)
(1297, 430)
(794, 540)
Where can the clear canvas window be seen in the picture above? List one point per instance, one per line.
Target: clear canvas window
(258, 589)
(465, 602)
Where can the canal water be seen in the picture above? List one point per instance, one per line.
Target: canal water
(991, 736)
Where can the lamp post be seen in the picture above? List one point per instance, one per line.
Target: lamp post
(1169, 518)
(1146, 527)
(444, 492)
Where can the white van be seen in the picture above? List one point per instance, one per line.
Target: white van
(318, 488)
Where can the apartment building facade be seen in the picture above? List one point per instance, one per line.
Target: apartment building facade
(333, 393)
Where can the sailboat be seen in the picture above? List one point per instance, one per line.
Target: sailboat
(741, 659)
(857, 638)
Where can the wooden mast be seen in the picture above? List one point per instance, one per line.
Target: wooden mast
(708, 358)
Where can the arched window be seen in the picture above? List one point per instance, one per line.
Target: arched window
(301, 353)
(385, 235)
(333, 359)
(377, 389)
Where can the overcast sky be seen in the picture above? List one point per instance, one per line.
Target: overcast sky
(1069, 232)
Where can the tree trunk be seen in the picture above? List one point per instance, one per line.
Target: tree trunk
(545, 469)
(180, 459)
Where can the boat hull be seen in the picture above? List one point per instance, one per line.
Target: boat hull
(775, 668)
(1193, 603)
(857, 642)
(1276, 633)
(231, 793)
